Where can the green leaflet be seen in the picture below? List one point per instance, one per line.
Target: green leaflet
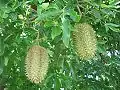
(66, 31)
(1, 46)
(55, 31)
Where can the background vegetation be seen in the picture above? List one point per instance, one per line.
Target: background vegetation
(21, 20)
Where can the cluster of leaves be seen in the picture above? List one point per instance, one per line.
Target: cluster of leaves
(21, 20)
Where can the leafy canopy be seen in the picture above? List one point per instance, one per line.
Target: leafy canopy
(20, 22)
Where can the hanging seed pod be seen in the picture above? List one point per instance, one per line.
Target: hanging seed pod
(36, 64)
(84, 40)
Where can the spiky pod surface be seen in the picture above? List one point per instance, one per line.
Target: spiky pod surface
(36, 64)
(84, 40)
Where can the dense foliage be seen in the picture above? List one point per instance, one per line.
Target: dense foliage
(54, 20)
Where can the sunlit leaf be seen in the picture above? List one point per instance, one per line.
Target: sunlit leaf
(48, 14)
(45, 5)
(40, 1)
(55, 31)
(66, 31)
(73, 15)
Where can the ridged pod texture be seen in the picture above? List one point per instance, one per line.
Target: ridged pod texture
(36, 64)
(84, 41)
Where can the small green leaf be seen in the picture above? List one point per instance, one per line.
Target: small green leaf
(1, 64)
(104, 5)
(115, 29)
(6, 61)
(1, 19)
(39, 10)
(101, 42)
(66, 31)
(1, 70)
(74, 16)
(5, 15)
(48, 14)
(112, 24)
(55, 31)
(57, 84)
(53, 6)
(107, 28)
(49, 23)
(97, 14)
(40, 1)
(1, 46)
(101, 49)
(45, 5)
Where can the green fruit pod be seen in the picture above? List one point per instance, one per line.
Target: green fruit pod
(36, 64)
(84, 40)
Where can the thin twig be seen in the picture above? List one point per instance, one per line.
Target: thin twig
(8, 37)
(78, 8)
(37, 38)
(37, 35)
